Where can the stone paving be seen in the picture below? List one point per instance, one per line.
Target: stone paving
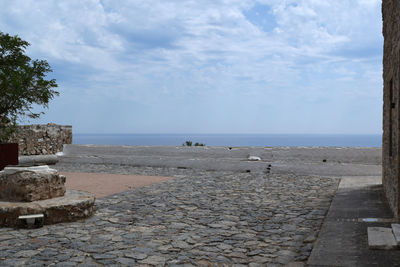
(201, 218)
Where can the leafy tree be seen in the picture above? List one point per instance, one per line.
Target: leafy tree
(22, 84)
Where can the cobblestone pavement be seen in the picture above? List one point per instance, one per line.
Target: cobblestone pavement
(198, 219)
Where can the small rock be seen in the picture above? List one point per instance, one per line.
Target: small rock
(26, 253)
(180, 244)
(253, 158)
(224, 246)
(126, 261)
(154, 260)
(254, 252)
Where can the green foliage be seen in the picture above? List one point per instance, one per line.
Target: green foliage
(22, 84)
(189, 143)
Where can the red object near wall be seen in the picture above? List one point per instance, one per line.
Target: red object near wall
(8, 155)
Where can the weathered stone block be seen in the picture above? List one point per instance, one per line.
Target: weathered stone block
(30, 183)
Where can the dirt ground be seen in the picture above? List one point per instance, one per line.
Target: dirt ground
(102, 184)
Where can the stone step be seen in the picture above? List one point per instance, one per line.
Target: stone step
(381, 238)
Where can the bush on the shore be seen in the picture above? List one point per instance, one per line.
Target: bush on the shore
(189, 143)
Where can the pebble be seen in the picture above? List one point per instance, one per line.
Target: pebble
(200, 218)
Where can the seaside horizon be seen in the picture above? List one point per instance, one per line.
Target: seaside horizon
(234, 140)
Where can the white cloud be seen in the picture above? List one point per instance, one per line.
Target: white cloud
(153, 51)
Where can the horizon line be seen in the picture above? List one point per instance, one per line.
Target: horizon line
(228, 133)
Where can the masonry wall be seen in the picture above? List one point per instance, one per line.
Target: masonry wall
(391, 109)
(42, 139)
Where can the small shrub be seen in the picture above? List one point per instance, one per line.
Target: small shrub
(188, 143)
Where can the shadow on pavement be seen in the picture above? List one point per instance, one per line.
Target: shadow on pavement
(343, 239)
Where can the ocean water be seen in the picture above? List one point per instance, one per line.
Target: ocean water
(256, 140)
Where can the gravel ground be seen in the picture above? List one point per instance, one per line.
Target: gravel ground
(320, 161)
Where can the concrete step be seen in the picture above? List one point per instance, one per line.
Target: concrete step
(381, 238)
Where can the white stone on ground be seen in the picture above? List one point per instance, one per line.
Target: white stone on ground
(253, 158)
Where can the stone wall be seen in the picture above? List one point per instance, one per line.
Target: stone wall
(42, 139)
(391, 106)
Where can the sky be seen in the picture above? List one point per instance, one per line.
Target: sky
(207, 66)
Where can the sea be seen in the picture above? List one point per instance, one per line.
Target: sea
(232, 140)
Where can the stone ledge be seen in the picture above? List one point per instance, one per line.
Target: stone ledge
(37, 160)
(381, 238)
(74, 205)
